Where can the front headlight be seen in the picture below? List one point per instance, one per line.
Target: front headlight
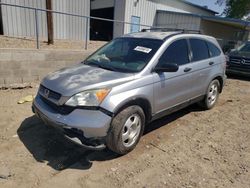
(88, 98)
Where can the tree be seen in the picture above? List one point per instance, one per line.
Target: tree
(235, 8)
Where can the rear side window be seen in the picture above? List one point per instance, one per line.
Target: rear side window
(176, 53)
(199, 49)
(213, 50)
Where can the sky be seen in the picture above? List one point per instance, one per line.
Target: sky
(210, 3)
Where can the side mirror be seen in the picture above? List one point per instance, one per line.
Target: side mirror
(167, 67)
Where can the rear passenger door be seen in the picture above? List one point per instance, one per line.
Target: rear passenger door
(200, 66)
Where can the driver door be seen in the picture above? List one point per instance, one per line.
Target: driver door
(173, 88)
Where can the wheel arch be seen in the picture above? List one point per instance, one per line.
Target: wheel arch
(220, 79)
(139, 101)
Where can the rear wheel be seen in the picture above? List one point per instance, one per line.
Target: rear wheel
(212, 95)
(126, 130)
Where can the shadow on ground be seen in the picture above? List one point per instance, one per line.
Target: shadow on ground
(170, 118)
(48, 146)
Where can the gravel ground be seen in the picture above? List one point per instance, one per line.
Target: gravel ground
(190, 148)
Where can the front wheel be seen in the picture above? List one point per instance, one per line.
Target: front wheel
(212, 95)
(126, 130)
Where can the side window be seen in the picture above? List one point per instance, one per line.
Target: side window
(199, 49)
(176, 53)
(213, 50)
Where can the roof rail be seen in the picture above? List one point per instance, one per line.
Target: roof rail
(163, 29)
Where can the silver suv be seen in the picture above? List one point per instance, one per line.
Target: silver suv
(107, 99)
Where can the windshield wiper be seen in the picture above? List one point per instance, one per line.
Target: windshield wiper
(94, 63)
(88, 62)
(103, 66)
(107, 68)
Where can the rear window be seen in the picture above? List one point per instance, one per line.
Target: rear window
(213, 50)
(199, 49)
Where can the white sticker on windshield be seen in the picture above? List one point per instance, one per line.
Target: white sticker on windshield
(143, 49)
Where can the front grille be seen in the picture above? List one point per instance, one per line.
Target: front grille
(49, 93)
(235, 60)
(240, 60)
(64, 110)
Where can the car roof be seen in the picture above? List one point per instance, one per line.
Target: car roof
(151, 35)
(159, 35)
(162, 35)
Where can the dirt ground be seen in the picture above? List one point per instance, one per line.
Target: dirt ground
(30, 43)
(190, 148)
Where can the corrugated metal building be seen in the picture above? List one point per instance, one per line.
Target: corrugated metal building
(153, 13)
(20, 22)
(177, 20)
(178, 14)
(144, 12)
(229, 32)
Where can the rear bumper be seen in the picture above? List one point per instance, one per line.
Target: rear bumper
(85, 127)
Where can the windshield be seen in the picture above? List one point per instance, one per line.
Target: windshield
(125, 54)
(244, 47)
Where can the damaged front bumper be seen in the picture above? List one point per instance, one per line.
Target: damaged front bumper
(87, 128)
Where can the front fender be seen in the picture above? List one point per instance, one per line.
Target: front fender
(114, 102)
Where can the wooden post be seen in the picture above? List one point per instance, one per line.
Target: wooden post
(1, 21)
(50, 22)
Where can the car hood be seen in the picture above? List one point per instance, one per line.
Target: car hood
(240, 54)
(78, 78)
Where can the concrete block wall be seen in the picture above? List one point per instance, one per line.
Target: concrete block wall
(19, 67)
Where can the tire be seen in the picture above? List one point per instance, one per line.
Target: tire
(212, 95)
(126, 129)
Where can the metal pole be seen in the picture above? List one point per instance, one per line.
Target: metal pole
(37, 30)
(87, 33)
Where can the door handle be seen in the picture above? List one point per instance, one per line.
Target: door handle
(211, 63)
(187, 69)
